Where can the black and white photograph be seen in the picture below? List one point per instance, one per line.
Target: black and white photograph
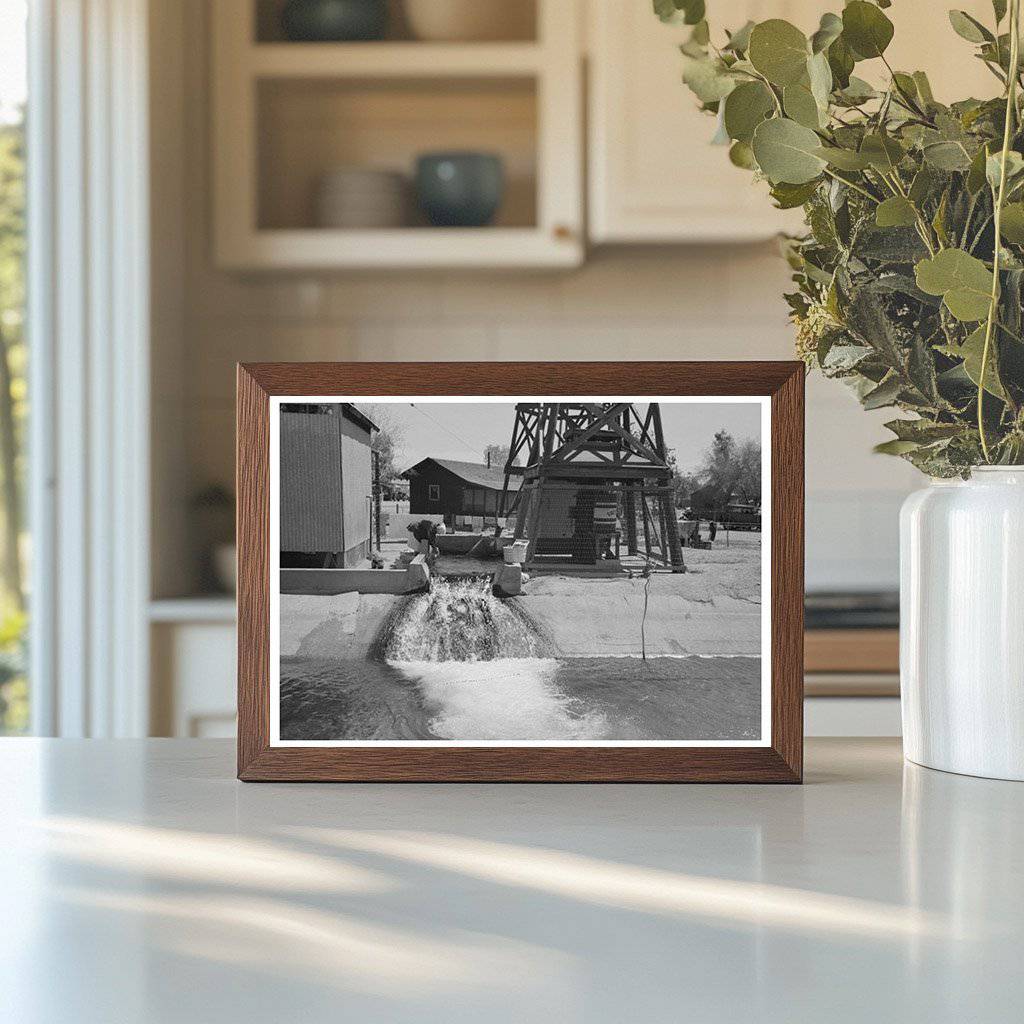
(519, 572)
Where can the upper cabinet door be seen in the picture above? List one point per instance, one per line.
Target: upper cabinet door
(654, 175)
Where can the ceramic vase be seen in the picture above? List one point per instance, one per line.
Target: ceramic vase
(321, 21)
(460, 189)
(962, 624)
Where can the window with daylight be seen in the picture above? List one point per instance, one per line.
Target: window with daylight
(14, 548)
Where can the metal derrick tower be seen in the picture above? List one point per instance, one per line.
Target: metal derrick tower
(590, 467)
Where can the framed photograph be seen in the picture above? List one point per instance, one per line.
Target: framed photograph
(578, 572)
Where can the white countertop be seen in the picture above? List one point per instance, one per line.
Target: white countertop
(140, 882)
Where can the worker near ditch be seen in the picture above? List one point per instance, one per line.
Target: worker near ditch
(423, 538)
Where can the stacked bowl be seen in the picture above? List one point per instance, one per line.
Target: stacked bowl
(362, 197)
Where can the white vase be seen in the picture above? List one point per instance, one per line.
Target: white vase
(962, 624)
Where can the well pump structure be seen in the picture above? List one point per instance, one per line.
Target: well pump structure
(591, 472)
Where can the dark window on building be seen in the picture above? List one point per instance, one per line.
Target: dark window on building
(433, 492)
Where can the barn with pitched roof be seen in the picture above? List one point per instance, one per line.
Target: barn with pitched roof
(453, 489)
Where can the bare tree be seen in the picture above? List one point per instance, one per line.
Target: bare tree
(496, 455)
(388, 440)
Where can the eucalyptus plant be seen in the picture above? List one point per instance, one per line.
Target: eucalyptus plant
(910, 278)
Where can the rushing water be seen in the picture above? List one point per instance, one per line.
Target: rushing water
(460, 664)
(460, 620)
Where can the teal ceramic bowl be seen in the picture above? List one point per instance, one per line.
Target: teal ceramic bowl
(461, 190)
(334, 21)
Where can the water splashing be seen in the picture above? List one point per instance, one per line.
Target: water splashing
(460, 620)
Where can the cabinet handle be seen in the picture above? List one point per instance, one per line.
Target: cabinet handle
(562, 232)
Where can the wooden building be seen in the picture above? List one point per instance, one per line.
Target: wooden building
(455, 489)
(326, 485)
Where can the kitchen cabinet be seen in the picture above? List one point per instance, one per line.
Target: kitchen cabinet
(288, 114)
(653, 175)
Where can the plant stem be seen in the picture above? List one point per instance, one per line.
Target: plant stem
(1011, 109)
(1012, 334)
(907, 99)
(980, 232)
(853, 185)
(894, 183)
(775, 98)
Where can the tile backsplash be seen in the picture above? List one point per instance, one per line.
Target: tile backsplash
(708, 303)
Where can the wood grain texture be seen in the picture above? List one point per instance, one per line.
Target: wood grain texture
(787, 569)
(852, 650)
(252, 486)
(781, 762)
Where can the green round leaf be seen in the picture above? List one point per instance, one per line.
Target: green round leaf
(741, 155)
(895, 212)
(947, 156)
(740, 39)
(745, 108)
(687, 11)
(866, 29)
(844, 159)
(693, 11)
(788, 197)
(924, 87)
(819, 75)
(896, 447)
(993, 166)
(883, 152)
(779, 51)
(857, 91)
(969, 28)
(801, 106)
(963, 281)
(1012, 224)
(840, 61)
(787, 152)
(707, 79)
(976, 173)
(972, 351)
(829, 30)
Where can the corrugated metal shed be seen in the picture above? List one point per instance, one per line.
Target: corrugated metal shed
(325, 478)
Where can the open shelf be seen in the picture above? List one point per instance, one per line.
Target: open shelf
(309, 127)
(286, 114)
(520, 23)
(406, 248)
(389, 60)
(201, 608)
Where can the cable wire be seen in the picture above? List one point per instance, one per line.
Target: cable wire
(438, 423)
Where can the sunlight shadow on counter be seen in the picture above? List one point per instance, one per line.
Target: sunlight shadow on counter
(646, 890)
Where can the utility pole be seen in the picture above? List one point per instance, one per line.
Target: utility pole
(376, 498)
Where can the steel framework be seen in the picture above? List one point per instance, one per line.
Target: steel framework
(586, 467)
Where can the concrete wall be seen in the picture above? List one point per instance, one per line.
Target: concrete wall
(361, 581)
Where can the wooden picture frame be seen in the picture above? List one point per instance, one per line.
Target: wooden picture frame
(778, 760)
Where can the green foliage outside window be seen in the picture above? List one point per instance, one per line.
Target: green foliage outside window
(13, 412)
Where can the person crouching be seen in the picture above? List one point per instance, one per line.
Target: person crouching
(423, 538)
